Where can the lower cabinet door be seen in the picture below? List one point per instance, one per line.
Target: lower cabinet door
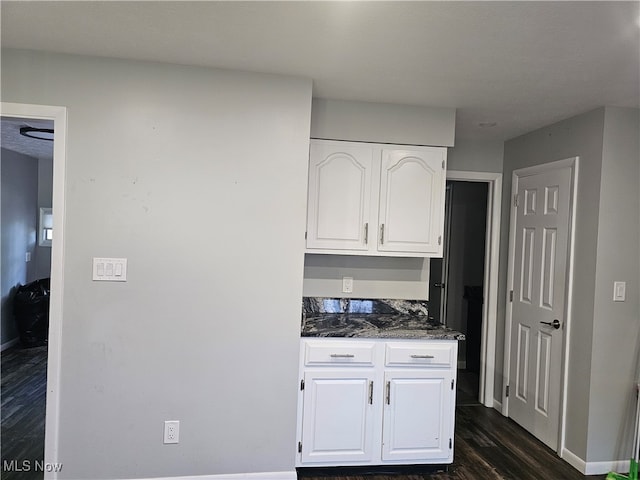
(338, 417)
(418, 416)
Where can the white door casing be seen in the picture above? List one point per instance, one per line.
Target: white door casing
(539, 276)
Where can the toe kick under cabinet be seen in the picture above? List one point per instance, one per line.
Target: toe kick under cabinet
(376, 402)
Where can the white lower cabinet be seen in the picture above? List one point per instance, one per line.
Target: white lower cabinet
(376, 402)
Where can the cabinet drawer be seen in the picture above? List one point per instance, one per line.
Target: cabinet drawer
(338, 353)
(423, 355)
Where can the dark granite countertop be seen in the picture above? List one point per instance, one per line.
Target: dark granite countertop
(377, 318)
(373, 325)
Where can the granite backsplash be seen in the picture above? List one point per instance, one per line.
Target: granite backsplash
(319, 305)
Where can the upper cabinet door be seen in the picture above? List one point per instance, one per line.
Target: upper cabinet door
(411, 200)
(339, 199)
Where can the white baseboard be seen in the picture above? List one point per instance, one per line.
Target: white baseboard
(236, 476)
(594, 468)
(497, 405)
(9, 344)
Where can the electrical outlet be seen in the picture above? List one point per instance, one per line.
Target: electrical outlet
(347, 284)
(171, 431)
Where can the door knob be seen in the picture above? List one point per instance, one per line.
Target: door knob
(555, 324)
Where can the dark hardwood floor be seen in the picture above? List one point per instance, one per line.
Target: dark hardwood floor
(488, 446)
(23, 395)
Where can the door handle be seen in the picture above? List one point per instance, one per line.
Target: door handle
(438, 285)
(555, 324)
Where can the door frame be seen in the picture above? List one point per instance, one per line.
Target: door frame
(59, 117)
(573, 164)
(490, 288)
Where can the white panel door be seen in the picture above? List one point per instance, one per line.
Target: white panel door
(411, 199)
(339, 199)
(538, 305)
(338, 416)
(418, 415)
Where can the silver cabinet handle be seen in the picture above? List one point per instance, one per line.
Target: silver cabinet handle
(422, 356)
(388, 393)
(371, 392)
(342, 355)
(382, 234)
(366, 233)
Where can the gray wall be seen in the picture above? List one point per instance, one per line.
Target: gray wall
(382, 123)
(45, 191)
(618, 259)
(605, 242)
(19, 192)
(198, 177)
(373, 277)
(476, 156)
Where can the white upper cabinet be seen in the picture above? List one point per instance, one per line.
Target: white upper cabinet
(339, 205)
(370, 199)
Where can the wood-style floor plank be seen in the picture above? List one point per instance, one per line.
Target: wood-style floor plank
(23, 393)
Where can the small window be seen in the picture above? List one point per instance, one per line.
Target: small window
(46, 227)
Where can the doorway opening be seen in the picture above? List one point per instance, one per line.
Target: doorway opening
(50, 251)
(461, 280)
(26, 165)
(463, 291)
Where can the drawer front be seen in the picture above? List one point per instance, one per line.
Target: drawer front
(327, 352)
(420, 354)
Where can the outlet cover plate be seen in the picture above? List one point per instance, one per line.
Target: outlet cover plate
(171, 431)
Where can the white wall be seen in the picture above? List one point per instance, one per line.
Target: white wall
(19, 190)
(198, 177)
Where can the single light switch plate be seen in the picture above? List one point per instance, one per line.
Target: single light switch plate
(619, 291)
(110, 269)
(347, 284)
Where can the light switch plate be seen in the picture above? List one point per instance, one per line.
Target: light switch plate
(109, 269)
(619, 291)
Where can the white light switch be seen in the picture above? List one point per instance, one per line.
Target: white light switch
(110, 269)
(619, 291)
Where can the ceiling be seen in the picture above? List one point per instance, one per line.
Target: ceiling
(518, 65)
(11, 139)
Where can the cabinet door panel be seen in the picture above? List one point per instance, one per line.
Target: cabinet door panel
(417, 416)
(337, 417)
(339, 196)
(411, 196)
